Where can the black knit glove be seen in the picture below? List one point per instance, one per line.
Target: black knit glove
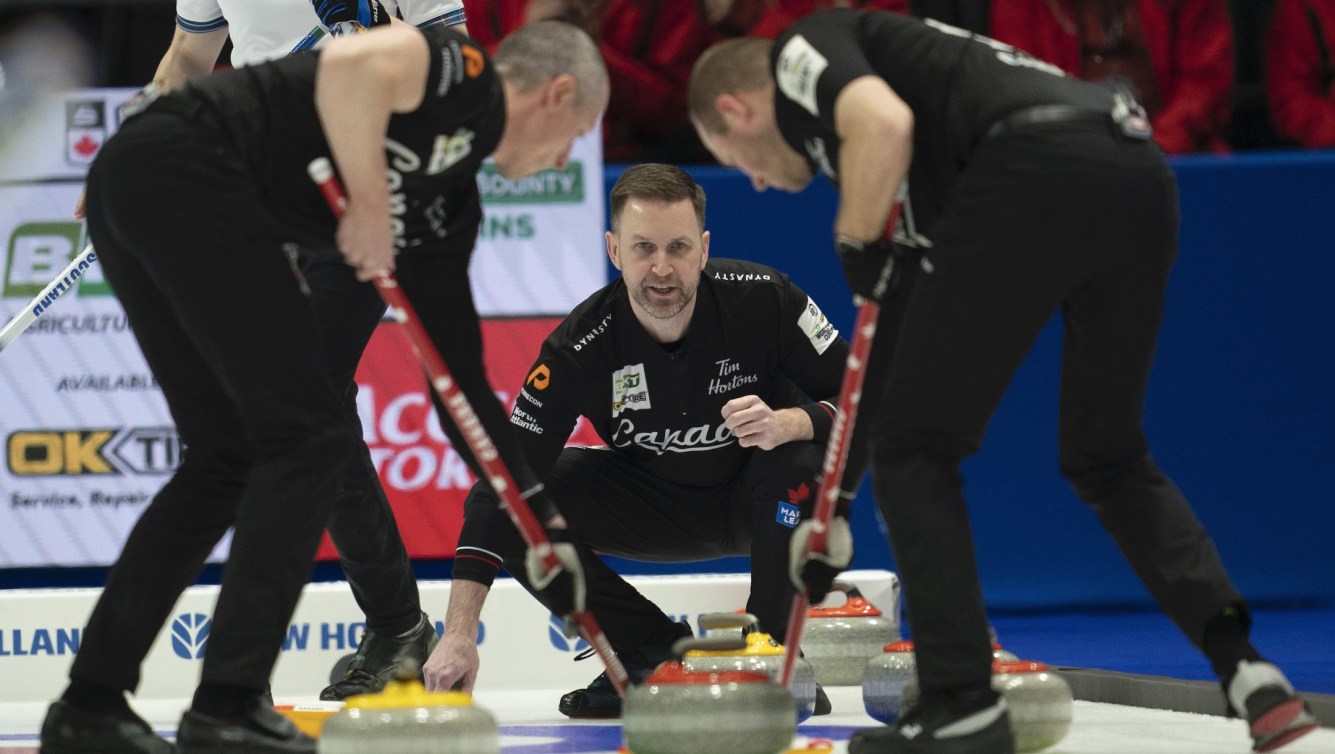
(873, 270)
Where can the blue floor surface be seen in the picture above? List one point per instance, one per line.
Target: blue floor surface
(1301, 641)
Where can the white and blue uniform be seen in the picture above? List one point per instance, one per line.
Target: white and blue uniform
(267, 29)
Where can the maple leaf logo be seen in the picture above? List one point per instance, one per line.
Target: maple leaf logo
(86, 146)
(798, 495)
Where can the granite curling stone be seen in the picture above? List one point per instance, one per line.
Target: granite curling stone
(407, 719)
(676, 711)
(886, 675)
(759, 653)
(838, 641)
(1039, 701)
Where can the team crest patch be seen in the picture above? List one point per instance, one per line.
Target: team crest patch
(630, 389)
(819, 330)
(798, 70)
(85, 130)
(449, 150)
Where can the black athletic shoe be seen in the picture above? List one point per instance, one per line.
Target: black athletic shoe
(378, 660)
(599, 700)
(261, 731)
(822, 702)
(72, 730)
(935, 730)
(1275, 714)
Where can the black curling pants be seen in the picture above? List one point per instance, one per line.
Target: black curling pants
(1064, 218)
(613, 507)
(190, 248)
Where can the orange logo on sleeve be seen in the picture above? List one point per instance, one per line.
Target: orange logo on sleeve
(473, 61)
(539, 378)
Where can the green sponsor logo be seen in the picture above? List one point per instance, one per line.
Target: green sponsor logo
(38, 252)
(502, 225)
(565, 186)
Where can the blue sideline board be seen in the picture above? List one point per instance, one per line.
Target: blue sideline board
(1241, 407)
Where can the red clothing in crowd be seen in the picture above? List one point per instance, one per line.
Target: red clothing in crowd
(767, 18)
(490, 20)
(1299, 71)
(649, 47)
(1177, 54)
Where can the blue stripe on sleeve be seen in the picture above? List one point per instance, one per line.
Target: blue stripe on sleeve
(196, 27)
(452, 18)
(309, 41)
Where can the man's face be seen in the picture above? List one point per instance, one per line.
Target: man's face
(547, 134)
(661, 252)
(759, 151)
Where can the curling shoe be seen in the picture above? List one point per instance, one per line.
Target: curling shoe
(1275, 714)
(378, 659)
(73, 730)
(599, 700)
(934, 729)
(822, 702)
(260, 731)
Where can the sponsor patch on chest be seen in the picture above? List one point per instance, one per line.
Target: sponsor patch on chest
(630, 389)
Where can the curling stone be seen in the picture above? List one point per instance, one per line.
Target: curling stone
(309, 718)
(886, 675)
(1039, 701)
(677, 711)
(726, 625)
(884, 679)
(838, 641)
(407, 719)
(758, 653)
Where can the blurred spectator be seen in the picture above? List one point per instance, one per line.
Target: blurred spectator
(490, 20)
(1176, 56)
(766, 18)
(1299, 71)
(42, 54)
(649, 47)
(965, 14)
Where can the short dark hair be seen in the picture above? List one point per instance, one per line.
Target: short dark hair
(736, 65)
(657, 182)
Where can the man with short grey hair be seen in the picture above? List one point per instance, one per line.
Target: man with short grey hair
(191, 206)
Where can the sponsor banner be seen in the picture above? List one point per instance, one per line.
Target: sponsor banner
(520, 645)
(424, 477)
(540, 249)
(87, 439)
(59, 134)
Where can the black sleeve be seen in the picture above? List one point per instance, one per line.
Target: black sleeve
(541, 421)
(460, 74)
(815, 59)
(812, 355)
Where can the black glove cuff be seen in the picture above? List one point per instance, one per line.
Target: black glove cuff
(867, 266)
(559, 536)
